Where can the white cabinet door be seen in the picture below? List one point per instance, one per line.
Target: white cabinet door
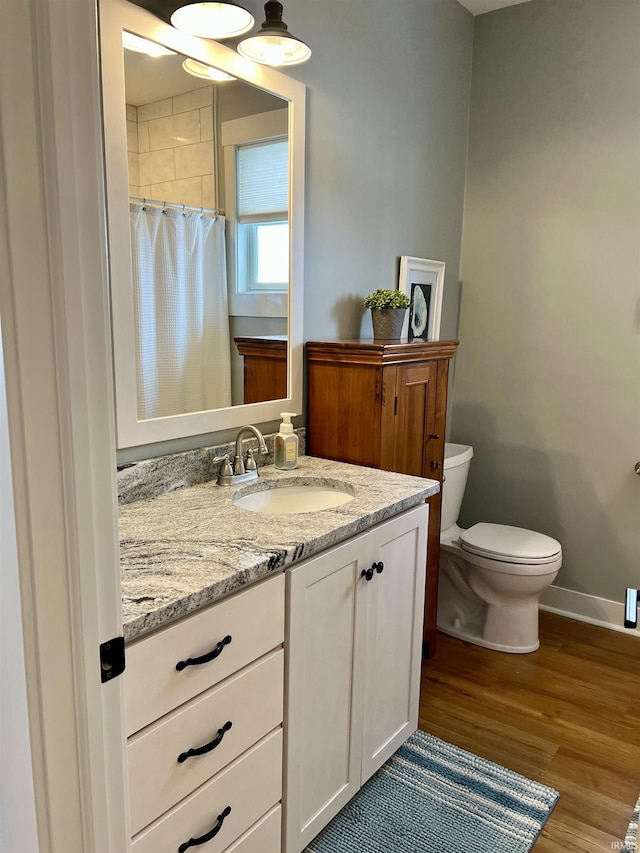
(323, 716)
(393, 639)
(353, 653)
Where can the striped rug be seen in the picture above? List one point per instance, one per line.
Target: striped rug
(631, 838)
(432, 797)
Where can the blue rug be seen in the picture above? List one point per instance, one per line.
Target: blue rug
(631, 838)
(432, 797)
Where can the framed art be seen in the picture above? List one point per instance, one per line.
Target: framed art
(423, 282)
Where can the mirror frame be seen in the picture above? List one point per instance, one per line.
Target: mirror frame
(116, 16)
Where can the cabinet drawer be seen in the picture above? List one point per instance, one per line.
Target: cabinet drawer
(265, 836)
(254, 619)
(249, 787)
(251, 701)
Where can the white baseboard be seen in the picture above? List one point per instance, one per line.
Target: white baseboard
(586, 608)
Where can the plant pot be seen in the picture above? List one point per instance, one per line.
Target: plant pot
(387, 322)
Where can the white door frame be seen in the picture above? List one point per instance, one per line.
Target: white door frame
(55, 329)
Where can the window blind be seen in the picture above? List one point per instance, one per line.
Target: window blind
(263, 178)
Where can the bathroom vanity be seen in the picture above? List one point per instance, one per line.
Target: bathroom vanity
(383, 404)
(237, 620)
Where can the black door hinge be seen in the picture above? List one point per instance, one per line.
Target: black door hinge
(111, 659)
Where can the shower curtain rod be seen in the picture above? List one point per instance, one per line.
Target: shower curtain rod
(210, 210)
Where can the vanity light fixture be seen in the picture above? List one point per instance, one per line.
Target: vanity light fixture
(274, 44)
(205, 72)
(142, 45)
(213, 20)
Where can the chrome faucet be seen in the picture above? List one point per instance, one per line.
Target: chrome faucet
(241, 471)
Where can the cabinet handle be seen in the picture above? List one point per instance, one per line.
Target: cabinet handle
(202, 750)
(379, 567)
(434, 435)
(192, 842)
(435, 464)
(212, 655)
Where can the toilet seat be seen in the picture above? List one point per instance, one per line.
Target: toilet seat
(509, 545)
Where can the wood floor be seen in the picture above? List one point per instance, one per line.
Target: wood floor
(567, 715)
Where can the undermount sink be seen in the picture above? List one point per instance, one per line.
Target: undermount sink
(295, 497)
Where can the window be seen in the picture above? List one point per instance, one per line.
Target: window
(262, 205)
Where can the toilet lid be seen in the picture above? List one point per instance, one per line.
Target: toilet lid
(509, 544)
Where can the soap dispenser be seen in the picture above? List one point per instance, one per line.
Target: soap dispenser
(286, 443)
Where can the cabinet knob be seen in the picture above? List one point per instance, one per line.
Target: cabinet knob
(435, 464)
(212, 655)
(367, 574)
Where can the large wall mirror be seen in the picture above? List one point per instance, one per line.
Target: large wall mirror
(205, 193)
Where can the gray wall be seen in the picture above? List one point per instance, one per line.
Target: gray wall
(547, 384)
(388, 100)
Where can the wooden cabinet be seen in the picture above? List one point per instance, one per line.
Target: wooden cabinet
(383, 404)
(265, 367)
(353, 667)
(204, 707)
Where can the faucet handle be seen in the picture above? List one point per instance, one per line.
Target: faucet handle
(250, 463)
(225, 471)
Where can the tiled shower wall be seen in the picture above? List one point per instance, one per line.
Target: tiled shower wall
(170, 146)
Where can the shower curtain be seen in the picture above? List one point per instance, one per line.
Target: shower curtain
(183, 360)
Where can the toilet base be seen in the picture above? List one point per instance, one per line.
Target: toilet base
(472, 633)
(488, 603)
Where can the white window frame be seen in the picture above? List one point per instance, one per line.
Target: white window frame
(261, 127)
(248, 256)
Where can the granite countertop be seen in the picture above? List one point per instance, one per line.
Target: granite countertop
(187, 548)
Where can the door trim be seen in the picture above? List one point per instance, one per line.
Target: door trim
(54, 310)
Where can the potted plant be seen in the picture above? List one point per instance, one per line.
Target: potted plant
(388, 309)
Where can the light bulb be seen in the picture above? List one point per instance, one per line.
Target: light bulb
(205, 72)
(275, 50)
(212, 20)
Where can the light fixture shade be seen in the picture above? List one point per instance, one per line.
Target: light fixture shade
(213, 20)
(205, 72)
(274, 44)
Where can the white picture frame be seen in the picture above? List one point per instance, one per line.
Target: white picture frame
(423, 282)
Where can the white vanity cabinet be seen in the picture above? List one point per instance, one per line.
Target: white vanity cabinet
(204, 707)
(206, 697)
(354, 643)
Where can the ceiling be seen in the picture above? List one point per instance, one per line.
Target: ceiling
(478, 7)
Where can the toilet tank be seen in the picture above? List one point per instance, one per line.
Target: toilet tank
(457, 458)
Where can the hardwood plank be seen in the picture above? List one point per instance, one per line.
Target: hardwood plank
(567, 715)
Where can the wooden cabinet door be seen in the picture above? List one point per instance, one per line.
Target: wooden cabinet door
(324, 703)
(412, 426)
(393, 637)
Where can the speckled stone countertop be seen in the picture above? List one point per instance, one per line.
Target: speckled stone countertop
(186, 548)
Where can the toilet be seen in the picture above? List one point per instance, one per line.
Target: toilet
(491, 575)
